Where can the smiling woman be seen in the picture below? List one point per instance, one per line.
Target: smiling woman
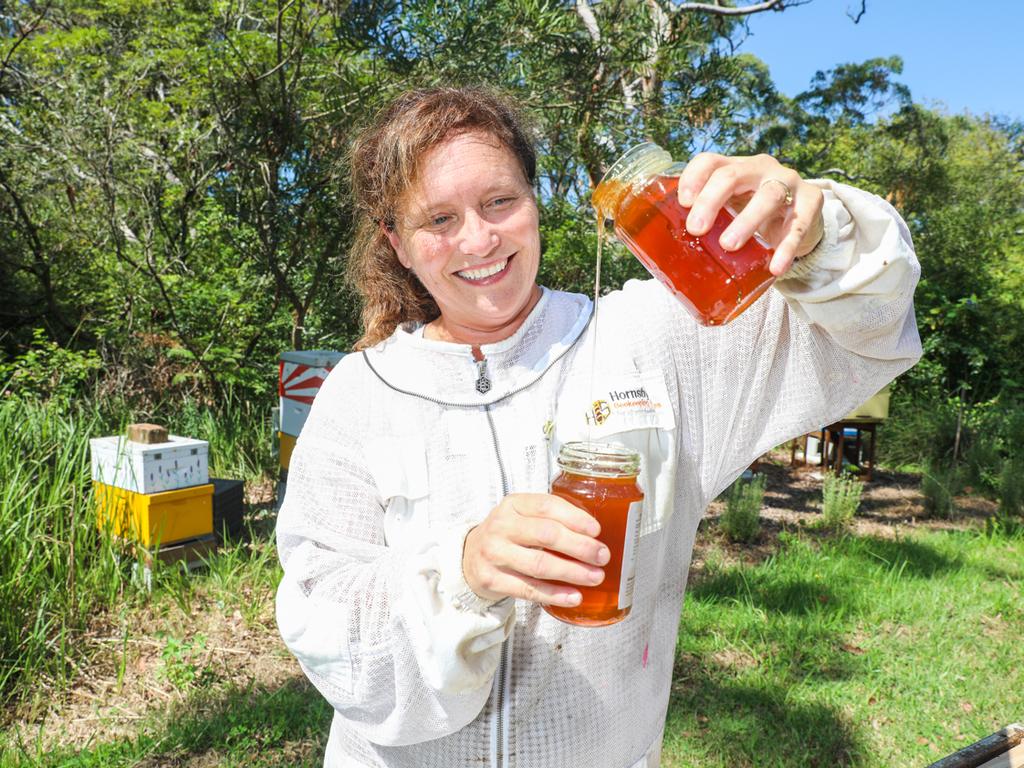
(419, 537)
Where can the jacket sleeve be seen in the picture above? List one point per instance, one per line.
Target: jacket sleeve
(390, 635)
(836, 329)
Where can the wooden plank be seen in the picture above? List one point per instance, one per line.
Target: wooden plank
(1002, 745)
(1012, 759)
(150, 434)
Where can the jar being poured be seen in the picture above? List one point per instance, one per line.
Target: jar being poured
(639, 193)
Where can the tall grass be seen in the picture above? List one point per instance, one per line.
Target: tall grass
(939, 484)
(57, 570)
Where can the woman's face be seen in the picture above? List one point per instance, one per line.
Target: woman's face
(468, 229)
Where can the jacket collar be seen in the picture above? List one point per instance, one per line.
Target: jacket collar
(446, 372)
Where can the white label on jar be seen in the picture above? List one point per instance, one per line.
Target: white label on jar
(630, 544)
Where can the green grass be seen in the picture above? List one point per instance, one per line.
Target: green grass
(860, 652)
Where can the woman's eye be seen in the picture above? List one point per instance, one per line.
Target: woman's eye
(498, 202)
(439, 221)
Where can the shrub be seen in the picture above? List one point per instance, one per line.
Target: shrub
(1011, 488)
(840, 499)
(48, 371)
(939, 483)
(982, 463)
(741, 520)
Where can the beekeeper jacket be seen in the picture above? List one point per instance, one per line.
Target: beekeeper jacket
(402, 454)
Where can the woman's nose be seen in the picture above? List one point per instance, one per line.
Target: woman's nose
(477, 237)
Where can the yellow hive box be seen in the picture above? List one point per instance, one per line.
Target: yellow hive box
(877, 407)
(286, 445)
(155, 518)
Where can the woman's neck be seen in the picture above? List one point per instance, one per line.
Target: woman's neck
(443, 329)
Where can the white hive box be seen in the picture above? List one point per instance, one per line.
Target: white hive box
(300, 376)
(181, 462)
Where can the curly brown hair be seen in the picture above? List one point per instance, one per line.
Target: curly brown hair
(385, 162)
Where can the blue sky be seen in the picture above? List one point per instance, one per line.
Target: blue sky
(962, 54)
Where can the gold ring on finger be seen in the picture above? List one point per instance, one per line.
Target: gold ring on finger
(788, 200)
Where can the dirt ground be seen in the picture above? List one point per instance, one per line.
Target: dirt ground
(126, 682)
(891, 503)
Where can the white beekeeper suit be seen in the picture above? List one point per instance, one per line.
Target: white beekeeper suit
(401, 455)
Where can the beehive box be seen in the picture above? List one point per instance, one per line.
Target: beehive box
(228, 506)
(876, 407)
(156, 518)
(300, 376)
(143, 468)
(286, 444)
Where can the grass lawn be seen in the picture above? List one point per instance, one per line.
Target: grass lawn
(857, 650)
(861, 651)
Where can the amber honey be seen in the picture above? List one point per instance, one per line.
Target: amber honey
(602, 480)
(715, 285)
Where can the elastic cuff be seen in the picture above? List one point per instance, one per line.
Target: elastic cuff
(452, 583)
(807, 263)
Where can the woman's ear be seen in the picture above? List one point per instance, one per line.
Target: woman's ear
(396, 243)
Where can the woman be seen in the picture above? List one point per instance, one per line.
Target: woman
(417, 514)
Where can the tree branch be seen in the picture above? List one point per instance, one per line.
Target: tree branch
(860, 13)
(21, 38)
(841, 172)
(721, 10)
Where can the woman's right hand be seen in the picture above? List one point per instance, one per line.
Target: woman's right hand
(511, 553)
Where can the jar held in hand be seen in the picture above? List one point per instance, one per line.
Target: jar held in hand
(601, 479)
(640, 194)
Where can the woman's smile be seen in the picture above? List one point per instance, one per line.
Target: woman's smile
(486, 275)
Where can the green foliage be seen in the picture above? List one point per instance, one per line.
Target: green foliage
(182, 663)
(172, 175)
(48, 372)
(840, 498)
(741, 520)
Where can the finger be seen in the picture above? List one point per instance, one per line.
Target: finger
(552, 535)
(696, 174)
(510, 584)
(799, 223)
(547, 566)
(553, 507)
(725, 182)
(766, 207)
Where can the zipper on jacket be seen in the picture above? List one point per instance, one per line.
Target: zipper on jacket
(483, 381)
(501, 704)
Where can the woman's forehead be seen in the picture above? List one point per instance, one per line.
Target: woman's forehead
(468, 160)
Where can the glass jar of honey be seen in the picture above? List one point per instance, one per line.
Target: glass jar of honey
(639, 193)
(600, 478)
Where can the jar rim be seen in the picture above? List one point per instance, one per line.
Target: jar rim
(634, 167)
(630, 156)
(597, 459)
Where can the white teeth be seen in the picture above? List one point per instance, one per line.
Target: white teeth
(480, 274)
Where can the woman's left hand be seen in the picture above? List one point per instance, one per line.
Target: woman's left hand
(776, 203)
